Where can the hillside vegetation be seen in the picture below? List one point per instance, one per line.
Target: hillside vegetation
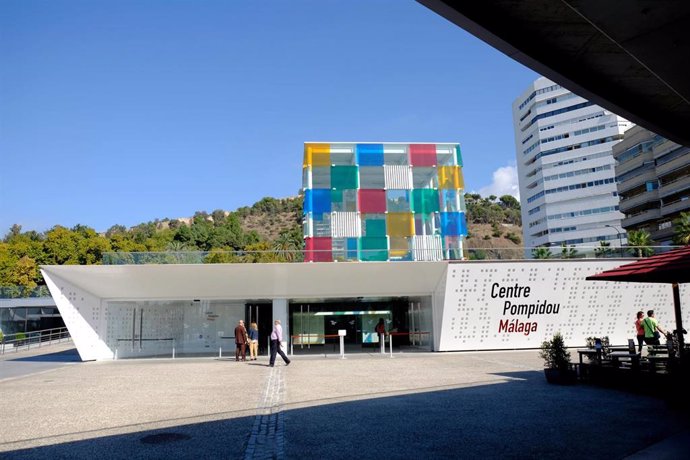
(268, 231)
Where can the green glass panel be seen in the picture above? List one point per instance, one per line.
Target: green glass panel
(373, 249)
(425, 201)
(458, 154)
(375, 227)
(336, 196)
(344, 177)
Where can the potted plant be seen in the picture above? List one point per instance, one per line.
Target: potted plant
(557, 361)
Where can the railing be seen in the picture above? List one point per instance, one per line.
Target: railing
(35, 339)
(476, 253)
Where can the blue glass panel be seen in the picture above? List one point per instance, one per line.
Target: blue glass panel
(453, 224)
(352, 248)
(370, 154)
(317, 201)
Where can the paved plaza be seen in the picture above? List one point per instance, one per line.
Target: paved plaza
(435, 405)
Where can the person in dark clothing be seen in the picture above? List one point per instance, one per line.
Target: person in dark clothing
(240, 341)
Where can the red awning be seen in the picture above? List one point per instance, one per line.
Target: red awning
(669, 267)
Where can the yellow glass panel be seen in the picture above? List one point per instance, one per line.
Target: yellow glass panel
(317, 154)
(400, 224)
(399, 247)
(449, 177)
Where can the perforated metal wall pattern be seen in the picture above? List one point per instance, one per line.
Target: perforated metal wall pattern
(518, 305)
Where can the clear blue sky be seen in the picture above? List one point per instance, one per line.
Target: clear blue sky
(121, 112)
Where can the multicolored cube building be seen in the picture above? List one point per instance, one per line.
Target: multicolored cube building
(383, 201)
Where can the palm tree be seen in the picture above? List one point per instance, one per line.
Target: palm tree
(176, 246)
(541, 253)
(289, 244)
(639, 243)
(604, 250)
(568, 252)
(681, 227)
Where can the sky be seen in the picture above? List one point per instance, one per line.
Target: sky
(122, 112)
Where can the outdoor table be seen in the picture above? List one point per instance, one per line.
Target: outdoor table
(589, 352)
(654, 359)
(617, 356)
(621, 348)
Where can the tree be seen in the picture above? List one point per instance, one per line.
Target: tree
(61, 246)
(221, 257)
(218, 217)
(176, 246)
(15, 230)
(509, 202)
(640, 242)
(681, 228)
(260, 253)
(91, 250)
(541, 253)
(289, 244)
(604, 250)
(568, 252)
(25, 273)
(116, 230)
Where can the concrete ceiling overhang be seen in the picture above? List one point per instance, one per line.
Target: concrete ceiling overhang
(251, 281)
(630, 57)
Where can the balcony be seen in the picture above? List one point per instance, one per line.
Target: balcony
(641, 217)
(637, 200)
(677, 206)
(636, 181)
(636, 162)
(662, 234)
(676, 163)
(663, 148)
(670, 188)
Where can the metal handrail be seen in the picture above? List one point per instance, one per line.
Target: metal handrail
(25, 340)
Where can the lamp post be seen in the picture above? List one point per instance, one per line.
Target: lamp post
(620, 240)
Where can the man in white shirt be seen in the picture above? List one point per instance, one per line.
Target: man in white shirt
(276, 339)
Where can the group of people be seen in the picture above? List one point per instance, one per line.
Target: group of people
(244, 337)
(648, 329)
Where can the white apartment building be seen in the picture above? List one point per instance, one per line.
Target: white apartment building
(566, 169)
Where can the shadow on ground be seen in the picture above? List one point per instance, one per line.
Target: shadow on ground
(65, 356)
(521, 417)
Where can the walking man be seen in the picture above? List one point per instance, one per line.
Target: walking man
(240, 341)
(276, 339)
(651, 329)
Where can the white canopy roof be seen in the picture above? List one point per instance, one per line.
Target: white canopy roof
(252, 281)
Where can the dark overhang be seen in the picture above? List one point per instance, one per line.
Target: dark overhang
(631, 57)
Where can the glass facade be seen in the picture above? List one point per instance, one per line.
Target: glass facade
(380, 202)
(29, 319)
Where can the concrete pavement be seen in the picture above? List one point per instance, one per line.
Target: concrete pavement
(439, 405)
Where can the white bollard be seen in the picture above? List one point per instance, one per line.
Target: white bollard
(342, 347)
(390, 344)
(220, 352)
(382, 340)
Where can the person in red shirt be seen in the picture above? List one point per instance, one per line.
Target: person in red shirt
(381, 328)
(640, 330)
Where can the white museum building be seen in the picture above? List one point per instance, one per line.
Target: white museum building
(130, 311)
